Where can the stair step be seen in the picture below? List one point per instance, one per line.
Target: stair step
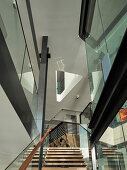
(113, 167)
(64, 160)
(113, 158)
(64, 156)
(74, 168)
(33, 160)
(112, 152)
(70, 150)
(29, 153)
(30, 150)
(66, 148)
(33, 164)
(64, 153)
(59, 157)
(65, 164)
(118, 154)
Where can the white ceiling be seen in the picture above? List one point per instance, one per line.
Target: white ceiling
(59, 20)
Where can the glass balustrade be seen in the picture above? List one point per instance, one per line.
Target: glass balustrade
(16, 164)
(84, 137)
(107, 30)
(112, 146)
(13, 33)
(86, 115)
(28, 84)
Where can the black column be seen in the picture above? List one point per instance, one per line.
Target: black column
(42, 90)
(28, 5)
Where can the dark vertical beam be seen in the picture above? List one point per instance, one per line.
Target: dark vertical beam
(42, 89)
(86, 17)
(32, 29)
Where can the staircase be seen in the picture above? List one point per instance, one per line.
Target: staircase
(113, 159)
(59, 157)
(64, 157)
(63, 150)
(35, 161)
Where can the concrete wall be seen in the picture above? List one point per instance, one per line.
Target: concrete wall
(108, 136)
(114, 136)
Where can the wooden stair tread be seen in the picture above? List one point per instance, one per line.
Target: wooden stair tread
(64, 150)
(63, 147)
(64, 156)
(27, 153)
(59, 157)
(58, 168)
(63, 163)
(33, 163)
(67, 160)
(69, 153)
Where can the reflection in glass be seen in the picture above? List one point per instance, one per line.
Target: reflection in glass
(107, 30)
(112, 146)
(28, 84)
(16, 164)
(14, 34)
(86, 115)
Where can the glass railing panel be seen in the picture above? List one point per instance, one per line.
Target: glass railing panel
(114, 18)
(11, 26)
(112, 146)
(16, 164)
(45, 147)
(107, 30)
(13, 33)
(84, 137)
(34, 164)
(95, 73)
(28, 84)
(95, 54)
(86, 115)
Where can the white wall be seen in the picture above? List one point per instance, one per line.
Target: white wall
(64, 115)
(114, 136)
(13, 136)
(108, 136)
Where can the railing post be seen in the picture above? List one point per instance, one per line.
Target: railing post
(42, 90)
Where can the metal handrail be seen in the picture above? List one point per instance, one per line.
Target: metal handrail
(31, 155)
(70, 123)
(62, 129)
